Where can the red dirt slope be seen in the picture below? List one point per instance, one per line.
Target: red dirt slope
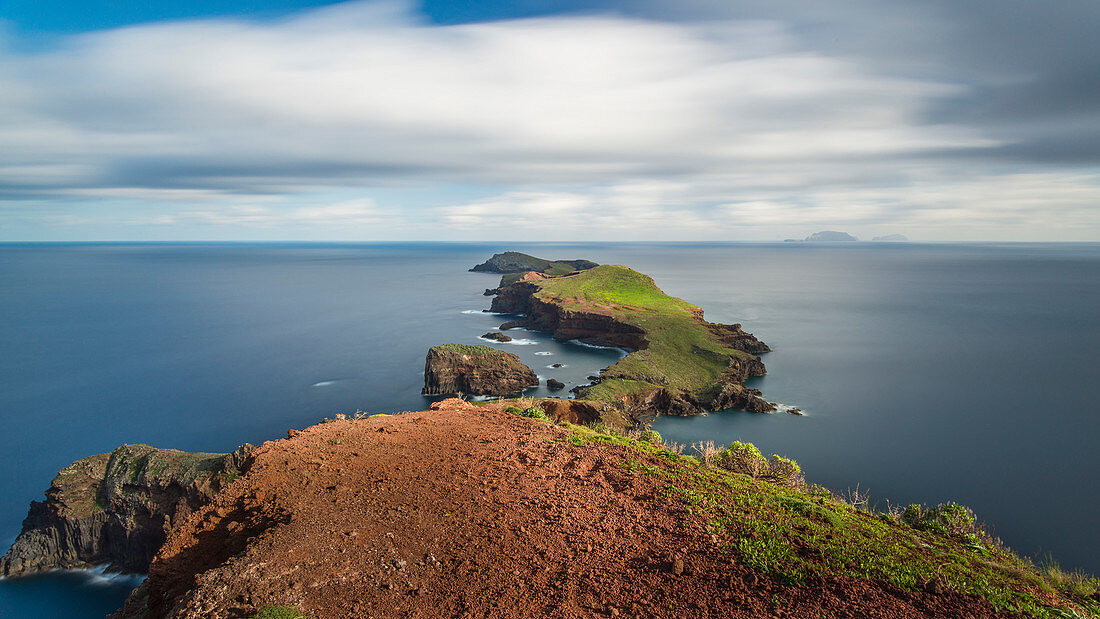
(469, 511)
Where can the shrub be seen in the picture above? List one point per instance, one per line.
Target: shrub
(950, 520)
(531, 412)
(785, 471)
(742, 458)
(746, 459)
(652, 437)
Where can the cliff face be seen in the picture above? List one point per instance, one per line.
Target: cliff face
(650, 390)
(590, 327)
(117, 508)
(475, 370)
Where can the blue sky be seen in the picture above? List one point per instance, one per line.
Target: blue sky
(694, 120)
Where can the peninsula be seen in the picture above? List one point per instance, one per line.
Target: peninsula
(677, 362)
(518, 508)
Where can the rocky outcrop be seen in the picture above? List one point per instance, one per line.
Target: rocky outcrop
(591, 327)
(515, 262)
(117, 508)
(736, 337)
(554, 384)
(475, 370)
(497, 336)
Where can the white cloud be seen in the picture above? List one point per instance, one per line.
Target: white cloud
(628, 125)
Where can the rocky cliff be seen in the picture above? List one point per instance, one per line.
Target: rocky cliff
(117, 508)
(475, 370)
(678, 363)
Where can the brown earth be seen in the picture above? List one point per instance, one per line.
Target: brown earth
(469, 511)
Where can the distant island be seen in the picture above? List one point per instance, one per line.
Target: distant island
(891, 237)
(829, 236)
(515, 262)
(825, 236)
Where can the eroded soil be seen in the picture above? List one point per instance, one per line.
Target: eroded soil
(470, 511)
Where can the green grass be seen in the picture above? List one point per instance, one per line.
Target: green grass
(278, 612)
(474, 350)
(801, 534)
(682, 354)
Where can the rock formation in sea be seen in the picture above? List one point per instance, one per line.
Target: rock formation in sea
(554, 384)
(497, 336)
(116, 508)
(475, 370)
(515, 262)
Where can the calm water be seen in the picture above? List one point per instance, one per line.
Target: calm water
(928, 372)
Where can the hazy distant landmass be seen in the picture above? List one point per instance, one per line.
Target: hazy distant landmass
(829, 236)
(891, 237)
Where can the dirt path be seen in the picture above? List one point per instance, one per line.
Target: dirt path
(464, 511)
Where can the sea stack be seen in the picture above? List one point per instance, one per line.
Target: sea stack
(475, 370)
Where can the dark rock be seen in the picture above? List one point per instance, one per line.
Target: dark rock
(515, 262)
(497, 336)
(554, 384)
(511, 324)
(117, 508)
(475, 370)
(677, 567)
(556, 365)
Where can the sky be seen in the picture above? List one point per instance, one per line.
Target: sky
(708, 120)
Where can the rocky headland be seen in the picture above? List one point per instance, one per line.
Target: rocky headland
(475, 370)
(474, 511)
(117, 508)
(677, 362)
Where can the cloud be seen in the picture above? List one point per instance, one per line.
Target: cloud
(631, 124)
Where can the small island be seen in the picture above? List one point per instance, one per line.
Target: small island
(515, 262)
(830, 236)
(475, 370)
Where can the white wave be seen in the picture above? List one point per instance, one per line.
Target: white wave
(598, 347)
(99, 577)
(517, 342)
(324, 383)
(787, 408)
(543, 353)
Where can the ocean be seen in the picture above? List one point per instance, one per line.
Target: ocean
(927, 372)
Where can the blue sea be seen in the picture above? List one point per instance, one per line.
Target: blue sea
(928, 373)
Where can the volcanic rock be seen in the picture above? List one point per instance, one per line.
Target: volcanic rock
(116, 508)
(475, 370)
